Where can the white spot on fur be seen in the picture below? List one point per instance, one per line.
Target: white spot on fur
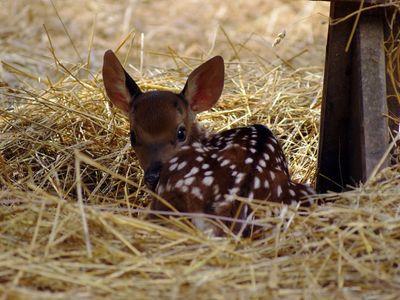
(248, 160)
(225, 162)
(182, 165)
(199, 150)
(272, 174)
(205, 166)
(278, 190)
(259, 169)
(189, 181)
(199, 158)
(231, 194)
(192, 172)
(179, 183)
(291, 192)
(172, 167)
(196, 192)
(262, 163)
(208, 173)
(266, 184)
(208, 180)
(216, 189)
(197, 145)
(272, 148)
(266, 156)
(239, 178)
(252, 150)
(257, 183)
(214, 155)
(173, 160)
(160, 189)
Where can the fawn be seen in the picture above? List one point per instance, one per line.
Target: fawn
(194, 170)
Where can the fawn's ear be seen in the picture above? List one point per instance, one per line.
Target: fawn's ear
(120, 87)
(204, 85)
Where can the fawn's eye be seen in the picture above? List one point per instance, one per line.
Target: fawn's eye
(181, 134)
(133, 138)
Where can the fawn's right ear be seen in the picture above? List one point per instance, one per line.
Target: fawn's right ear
(120, 87)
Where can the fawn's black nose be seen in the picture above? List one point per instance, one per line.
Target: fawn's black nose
(152, 174)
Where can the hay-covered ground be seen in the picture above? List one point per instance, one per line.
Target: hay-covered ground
(72, 203)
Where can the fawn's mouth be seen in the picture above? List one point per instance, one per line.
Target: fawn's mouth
(152, 175)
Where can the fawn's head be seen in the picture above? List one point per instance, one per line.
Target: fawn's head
(161, 122)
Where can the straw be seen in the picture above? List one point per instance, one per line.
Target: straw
(73, 210)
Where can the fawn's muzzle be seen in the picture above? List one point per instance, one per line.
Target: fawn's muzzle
(152, 174)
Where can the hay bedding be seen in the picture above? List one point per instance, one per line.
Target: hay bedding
(61, 237)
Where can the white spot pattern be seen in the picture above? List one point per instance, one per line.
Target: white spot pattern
(266, 184)
(196, 192)
(208, 180)
(272, 174)
(278, 190)
(172, 167)
(272, 148)
(262, 163)
(189, 181)
(257, 183)
(182, 165)
(192, 172)
(173, 160)
(225, 162)
(248, 160)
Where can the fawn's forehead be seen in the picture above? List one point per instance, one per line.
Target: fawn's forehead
(158, 111)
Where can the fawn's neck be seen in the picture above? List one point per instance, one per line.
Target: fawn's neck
(199, 133)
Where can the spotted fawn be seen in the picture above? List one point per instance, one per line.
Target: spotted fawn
(194, 170)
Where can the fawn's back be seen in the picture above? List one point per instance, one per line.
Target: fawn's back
(207, 175)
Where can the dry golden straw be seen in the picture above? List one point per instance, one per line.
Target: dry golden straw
(72, 202)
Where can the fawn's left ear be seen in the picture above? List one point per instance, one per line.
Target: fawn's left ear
(120, 87)
(204, 85)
